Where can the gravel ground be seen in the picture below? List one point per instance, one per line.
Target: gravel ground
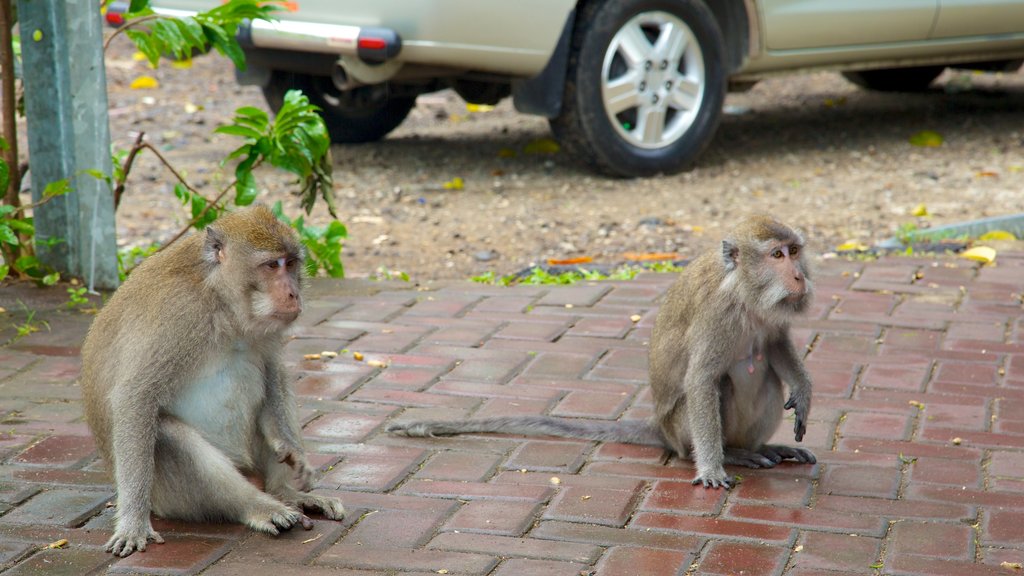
(812, 149)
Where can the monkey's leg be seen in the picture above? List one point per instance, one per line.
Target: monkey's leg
(278, 479)
(749, 458)
(195, 481)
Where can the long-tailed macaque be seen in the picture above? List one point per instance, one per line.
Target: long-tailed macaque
(184, 388)
(719, 353)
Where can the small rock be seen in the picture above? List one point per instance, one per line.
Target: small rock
(485, 255)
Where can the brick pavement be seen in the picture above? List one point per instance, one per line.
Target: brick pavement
(918, 425)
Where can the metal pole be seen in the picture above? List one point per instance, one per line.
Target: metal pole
(68, 133)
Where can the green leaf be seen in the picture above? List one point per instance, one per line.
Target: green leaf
(57, 188)
(5, 176)
(236, 130)
(146, 44)
(27, 264)
(138, 6)
(927, 139)
(23, 225)
(6, 209)
(51, 279)
(7, 235)
(245, 188)
(4, 271)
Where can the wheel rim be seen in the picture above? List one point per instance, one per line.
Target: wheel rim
(653, 80)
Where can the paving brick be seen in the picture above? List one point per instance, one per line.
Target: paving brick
(628, 452)
(500, 518)
(291, 546)
(577, 295)
(683, 498)
(914, 339)
(837, 552)
(413, 379)
(610, 536)
(860, 481)
(871, 425)
(451, 385)
(579, 404)
(475, 490)
(729, 558)
(925, 566)
(379, 558)
(1004, 527)
(61, 562)
(528, 567)
(371, 467)
(643, 562)
(177, 556)
(563, 457)
(944, 471)
(489, 370)
(966, 372)
(935, 539)
(335, 384)
(348, 424)
(591, 505)
(716, 527)
(59, 507)
(811, 519)
(407, 398)
(513, 407)
(530, 329)
(58, 451)
(911, 377)
(895, 509)
(398, 528)
(779, 491)
(11, 552)
(606, 327)
(464, 333)
(518, 547)
(562, 366)
(463, 466)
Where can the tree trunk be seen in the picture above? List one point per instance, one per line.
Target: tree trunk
(8, 127)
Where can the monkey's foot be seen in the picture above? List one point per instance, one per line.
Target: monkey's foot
(273, 519)
(127, 540)
(751, 459)
(779, 453)
(717, 479)
(328, 506)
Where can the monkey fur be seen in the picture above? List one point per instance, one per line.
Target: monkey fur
(718, 356)
(184, 388)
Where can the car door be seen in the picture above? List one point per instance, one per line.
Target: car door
(960, 18)
(824, 24)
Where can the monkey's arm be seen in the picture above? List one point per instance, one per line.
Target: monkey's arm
(280, 425)
(703, 413)
(135, 424)
(786, 362)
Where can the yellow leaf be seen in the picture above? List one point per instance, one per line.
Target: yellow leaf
(920, 211)
(997, 235)
(138, 56)
(454, 184)
(542, 146)
(479, 107)
(182, 64)
(982, 254)
(144, 83)
(927, 139)
(851, 246)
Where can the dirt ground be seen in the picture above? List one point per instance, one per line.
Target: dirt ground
(812, 149)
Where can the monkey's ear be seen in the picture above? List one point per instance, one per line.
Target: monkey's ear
(213, 246)
(730, 255)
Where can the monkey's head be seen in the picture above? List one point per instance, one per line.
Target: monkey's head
(763, 260)
(255, 261)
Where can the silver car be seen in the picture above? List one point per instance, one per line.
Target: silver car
(631, 87)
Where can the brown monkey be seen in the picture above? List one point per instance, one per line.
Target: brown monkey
(719, 353)
(184, 388)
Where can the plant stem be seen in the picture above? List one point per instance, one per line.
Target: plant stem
(8, 129)
(126, 26)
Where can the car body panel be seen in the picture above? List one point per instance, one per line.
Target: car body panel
(806, 24)
(960, 18)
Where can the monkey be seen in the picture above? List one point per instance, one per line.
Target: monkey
(184, 388)
(718, 355)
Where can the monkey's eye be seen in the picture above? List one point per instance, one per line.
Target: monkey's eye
(777, 253)
(794, 250)
(275, 264)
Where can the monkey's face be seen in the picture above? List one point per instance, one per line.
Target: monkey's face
(786, 287)
(276, 298)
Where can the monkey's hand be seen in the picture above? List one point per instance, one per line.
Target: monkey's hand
(716, 479)
(295, 458)
(128, 539)
(801, 406)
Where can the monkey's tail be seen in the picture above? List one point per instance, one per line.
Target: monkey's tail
(628, 431)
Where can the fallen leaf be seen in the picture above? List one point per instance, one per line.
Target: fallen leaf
(650, 256)
(555, 480)
(181, 64)
(358, 356)
(997, 235)
(311, 357)
(191, 108)
(144, 83)
(313, 539)
(851, 246)
(926, 139)
(506, 153)
(542, 146)
(479, 107)
(454, 184)
(138, 56)
(635, 318)
(377, 363)
(916, 404)
(1011, 565)
(957, 441)
(569, 261)
(329, 354)
(982, 254)
(920, 211)
(833, 102)
(986, 174)
(56, 544)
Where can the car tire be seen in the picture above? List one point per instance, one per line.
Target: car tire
(895, 79)
(644, 86)
(362, 114)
